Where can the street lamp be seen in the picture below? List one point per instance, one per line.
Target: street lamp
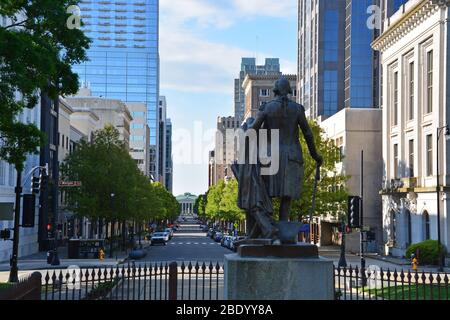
(439, 131)
(342, 261)
(112, 228)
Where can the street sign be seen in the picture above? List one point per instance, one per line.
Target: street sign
(70, 184)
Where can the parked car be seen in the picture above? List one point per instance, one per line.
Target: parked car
(225, 242)
(218, 236)
(159, 237)
(170, 232)
(233, 241)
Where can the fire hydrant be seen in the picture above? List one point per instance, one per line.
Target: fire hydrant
(414, 262)
(101, 254)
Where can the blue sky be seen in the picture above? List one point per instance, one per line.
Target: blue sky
(201, 44)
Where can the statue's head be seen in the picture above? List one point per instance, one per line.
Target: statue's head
(282, 87)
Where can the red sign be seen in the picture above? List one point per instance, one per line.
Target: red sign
(70, 184)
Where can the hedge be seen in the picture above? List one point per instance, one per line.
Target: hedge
(428, 252)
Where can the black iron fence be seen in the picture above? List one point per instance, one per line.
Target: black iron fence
(28, 288)
(204, 281)
(379, 284)
(157, 281)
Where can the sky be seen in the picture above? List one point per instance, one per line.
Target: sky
(201, 46)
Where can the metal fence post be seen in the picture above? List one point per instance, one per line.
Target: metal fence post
(173, 277)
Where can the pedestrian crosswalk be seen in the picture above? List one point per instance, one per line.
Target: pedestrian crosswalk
(194, 243)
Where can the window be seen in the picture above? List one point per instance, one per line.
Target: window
(393, 228)
(395, 160)
(411, 158)
(137, 126)
(62, 141)
(2, 173)
(264, 92)
(426, 221)
(411, 91)
(138, 114)
(395, 105)
(137, 138)
(429, 82)
(429, 149)
(408, 222)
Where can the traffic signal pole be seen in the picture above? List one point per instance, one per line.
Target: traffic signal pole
(361, 222)
(13, 274)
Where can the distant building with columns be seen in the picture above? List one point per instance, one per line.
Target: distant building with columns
(187, 202)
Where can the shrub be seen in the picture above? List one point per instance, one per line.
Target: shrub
(429, 252)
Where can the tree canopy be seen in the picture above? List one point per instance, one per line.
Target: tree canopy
(36, 56)
(112, 186)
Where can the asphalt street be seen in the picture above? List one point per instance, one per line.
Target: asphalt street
(189, 243)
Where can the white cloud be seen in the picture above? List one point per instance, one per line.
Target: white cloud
(189, 62)
(269, 8)
(203, 12)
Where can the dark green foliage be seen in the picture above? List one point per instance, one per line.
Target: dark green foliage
(36, 53)
(429, 252)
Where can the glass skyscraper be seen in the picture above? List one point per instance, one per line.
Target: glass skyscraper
(124, 55)
(337, 67)
(321, 56)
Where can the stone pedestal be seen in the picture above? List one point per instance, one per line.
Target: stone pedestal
(275, 278)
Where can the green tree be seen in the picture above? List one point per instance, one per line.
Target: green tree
(36, 55)
(200, 205)
(228, 203)
(104, 168)
(214, 197)
(332, 194)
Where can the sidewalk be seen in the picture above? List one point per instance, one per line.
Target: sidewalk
(385, 262)
(38, 261)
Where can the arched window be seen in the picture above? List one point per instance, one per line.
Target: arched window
(426, 221)
(393, 228)
(409, 229)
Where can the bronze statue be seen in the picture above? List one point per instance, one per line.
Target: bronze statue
(256, 190)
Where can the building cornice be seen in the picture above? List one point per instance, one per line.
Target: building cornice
(408, 22)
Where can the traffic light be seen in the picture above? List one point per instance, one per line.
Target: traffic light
(43, 179)
(35, 185)
(354, 211)
(49, 227)
(29, 209)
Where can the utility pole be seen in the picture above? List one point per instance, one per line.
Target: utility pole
(13, 275)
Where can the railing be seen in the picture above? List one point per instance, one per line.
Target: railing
(204, 281)
(378, 284)
(26, 289)
(157, 281)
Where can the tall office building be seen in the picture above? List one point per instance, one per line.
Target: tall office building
(169, 160)
(334, 44)
(161, 150)
(321, 56)
(124, 56)
(248, 66)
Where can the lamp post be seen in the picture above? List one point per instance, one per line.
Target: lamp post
(439, 131)
(112, 229)
(342, 261)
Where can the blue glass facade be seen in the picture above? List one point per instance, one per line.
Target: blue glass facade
(359, 56)
(124, 54)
